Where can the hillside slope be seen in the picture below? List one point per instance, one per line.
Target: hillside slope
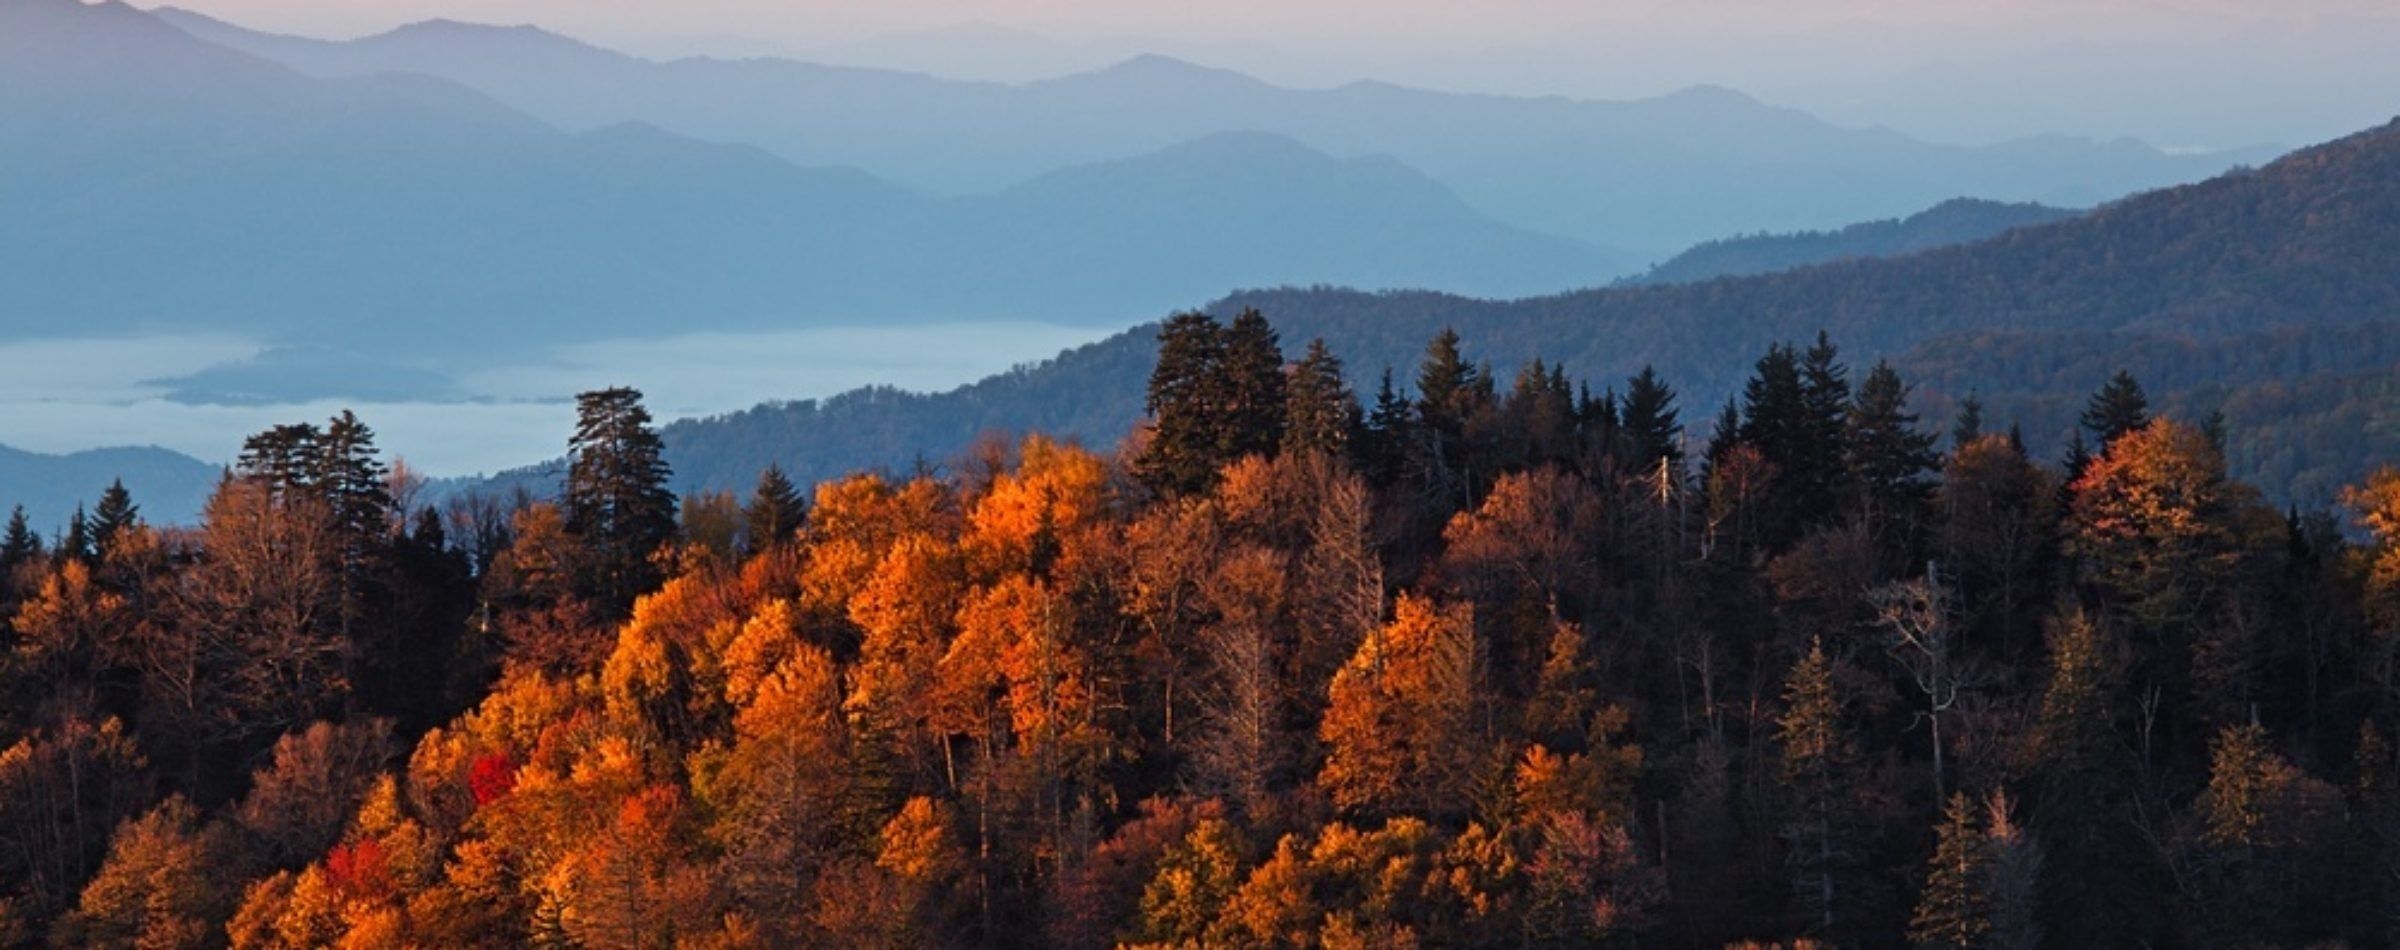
(2273, 295)
(1957, 221)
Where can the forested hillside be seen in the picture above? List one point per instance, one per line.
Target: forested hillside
(2264, 294)
(1486, 662)
(1957, 221)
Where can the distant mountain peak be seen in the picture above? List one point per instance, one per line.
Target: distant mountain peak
(1159, 67)
(518, 36)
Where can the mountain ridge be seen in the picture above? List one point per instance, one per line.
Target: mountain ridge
(1649, 175)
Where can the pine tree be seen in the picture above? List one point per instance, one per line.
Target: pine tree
(1968, 425)
(1888, 459)
(18, 547)
(283, 457)
(1446, 386)
(1819, 763)
(1181, 457)
(76, 543)
(1385, 438)
(775, 511)
(2118, 408)
(1954, 912)
(354, 483)
(1648, 421)
(1252, 390)
(1320, 413)
(616, 495)
(115, 515)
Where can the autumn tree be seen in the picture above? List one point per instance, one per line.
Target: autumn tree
(261, 650)
(1820, 818)
(1398, 731)
(1954, 911)
(2167, 539)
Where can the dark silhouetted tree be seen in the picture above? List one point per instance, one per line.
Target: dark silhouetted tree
(616, 495)
(1320, 413)
(775, 511)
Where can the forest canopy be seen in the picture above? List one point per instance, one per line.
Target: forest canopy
(1473, 658)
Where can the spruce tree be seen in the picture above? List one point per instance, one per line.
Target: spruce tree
(1818, 480)
(1446, 386)
(775, 510)
(2118, 408)
(1385, 438)
(1252, 390)
(616, 495)
(343, 470)
(1889, 461)
(115, 515)
(1648, 421)
(76, 543)
(1182, 456)
(1954, 912)
(283, 457)
(1968, 426)
(19, 545)
(1819, 763)
(1320, 413)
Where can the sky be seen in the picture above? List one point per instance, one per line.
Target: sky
(2177, 73)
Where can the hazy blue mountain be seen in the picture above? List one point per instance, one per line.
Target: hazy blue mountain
(2272, 295)
(1958, 221)
(169, 487)
(156, 180)
(1652, 175)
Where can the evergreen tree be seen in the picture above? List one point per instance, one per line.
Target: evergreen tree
(354, 483)
(1648, 421)
(616, 495)
(2076, 462)
(1968, 426)
(1819, 763)
(76, 543)
(1320, 413)
(1954, 912)
(2118, 408)
(1216, 395)
(1723, 435)
(1889, 460)
(1825, 388)
(775, 511)
(115, 515)
(283, 457)
(19, 546)
(1181, 457)
(1384, 439)
(2094, 898)
(1446, 386)
(1251, 382)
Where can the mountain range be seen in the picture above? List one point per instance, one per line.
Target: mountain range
(1649, 176)
(2271, 296)
(157, 181)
